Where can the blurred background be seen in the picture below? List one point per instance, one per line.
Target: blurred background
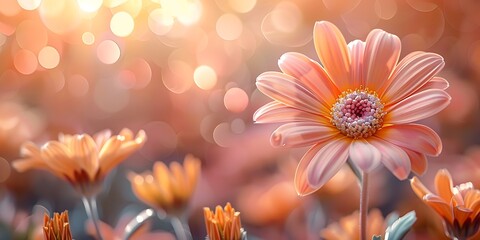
(184, 71)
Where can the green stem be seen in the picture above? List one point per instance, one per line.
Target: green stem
(182, 231)
(363, 206)
(90, 205)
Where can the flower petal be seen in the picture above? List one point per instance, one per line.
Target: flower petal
(364, 155)
(302, 185)
(435, 83)
(382, 51)
(415, 137)
(327, 162)
(275, 112)
(472, 199)
(357, 50)
(417, 107)
(418, 188)
(461, 214)
(301, 134)
(441, 207)
(311, 74)
(444, 185)
(418, 161)
(393, 157)
(412, 73)
(56, 156)
(333, 53)
(85, 153)
(32, 158)
(127, 147)
(285, 89)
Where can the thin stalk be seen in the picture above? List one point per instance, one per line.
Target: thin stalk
(92, 213)
(363, 206)
(182, 231)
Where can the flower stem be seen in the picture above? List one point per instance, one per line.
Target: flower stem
(182, 231)
(92, 213)
(363, 206)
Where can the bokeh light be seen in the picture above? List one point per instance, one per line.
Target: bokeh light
(242, 6)
(229, 27)
(90, 5)
(29, 4)
(78, 85)
(88, 38)
(25, 61)
(205, 77)
(160, 21)
(108, 52)
(236, 99)
(49, 57)
(122, 24)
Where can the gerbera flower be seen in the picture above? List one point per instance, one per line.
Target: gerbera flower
(458, 206)
(224, 224)
(168, 189)
(57, 228)
(359, 103)
(81, 160)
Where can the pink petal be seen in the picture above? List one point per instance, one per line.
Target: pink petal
(301, 134)
(311, 74)
(414, 71)
(416, 137)
(417, 107)
(287, 90)
(364, 155)
(357, 50)
(333, 53)
(393, 157)
(435, 83)
(275, 112)
(417, 160)
(382, 51)
(302, 184)
(327, 162)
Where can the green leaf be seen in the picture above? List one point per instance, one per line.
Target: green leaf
(400, 227)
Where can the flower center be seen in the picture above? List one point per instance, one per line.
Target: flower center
(358, 113)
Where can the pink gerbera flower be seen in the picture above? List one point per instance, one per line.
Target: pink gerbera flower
(359, 104)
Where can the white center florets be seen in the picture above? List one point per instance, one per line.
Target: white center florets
(358, 114)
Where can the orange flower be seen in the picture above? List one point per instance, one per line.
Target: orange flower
(224, 224)
(459, 206)
(57, 228)
(359, 103)
(348, 227)
(168, 189)
(81, 160)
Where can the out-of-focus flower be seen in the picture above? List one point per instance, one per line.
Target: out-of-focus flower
(348, 227)
(359, 104)
(81, 160)
(224, 224)
(392, 227)
(458, 206)
(17, 125)
(268, 205)
(57, 228)
(168, 189)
